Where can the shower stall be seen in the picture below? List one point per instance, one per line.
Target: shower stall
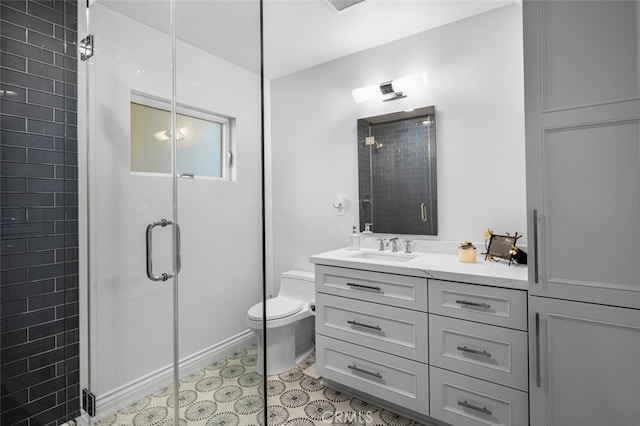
(170, 161)
(132, 210)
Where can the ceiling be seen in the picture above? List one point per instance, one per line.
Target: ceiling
(298, 34)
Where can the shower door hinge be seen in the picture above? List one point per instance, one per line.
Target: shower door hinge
(86, 47)
(89, 402)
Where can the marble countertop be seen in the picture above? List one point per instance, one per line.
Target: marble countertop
(430, 265)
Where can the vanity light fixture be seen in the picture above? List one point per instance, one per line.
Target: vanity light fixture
(390, 90)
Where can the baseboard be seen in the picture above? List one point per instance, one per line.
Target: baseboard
(120, 397)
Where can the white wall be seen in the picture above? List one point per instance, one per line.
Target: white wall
(221, 277)
(475, 76)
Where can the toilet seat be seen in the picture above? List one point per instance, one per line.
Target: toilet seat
(277, 308)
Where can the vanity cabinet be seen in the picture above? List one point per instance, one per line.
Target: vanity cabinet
(451, 351)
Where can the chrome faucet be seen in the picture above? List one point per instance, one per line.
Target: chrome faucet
(407, 247)
(382, 244)
(394, 244)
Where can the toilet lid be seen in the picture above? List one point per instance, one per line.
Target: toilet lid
(278, 307)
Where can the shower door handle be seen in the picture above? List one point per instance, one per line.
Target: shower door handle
(177, 263)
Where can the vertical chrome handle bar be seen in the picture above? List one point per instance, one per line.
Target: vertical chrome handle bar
(536, 277)
(177, 264)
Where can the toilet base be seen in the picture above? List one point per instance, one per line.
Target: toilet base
(281, 350)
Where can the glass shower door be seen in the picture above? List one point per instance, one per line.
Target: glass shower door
(220, 209)
(130, 215)
(174, 135)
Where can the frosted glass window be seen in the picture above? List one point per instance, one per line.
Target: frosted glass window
(201, 142)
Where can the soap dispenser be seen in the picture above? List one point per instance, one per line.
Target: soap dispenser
(355, 239)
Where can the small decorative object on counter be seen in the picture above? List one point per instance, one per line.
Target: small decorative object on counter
(467, 252)
(503, 247)
(518, 255)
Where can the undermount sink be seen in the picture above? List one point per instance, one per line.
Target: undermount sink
(384, 256)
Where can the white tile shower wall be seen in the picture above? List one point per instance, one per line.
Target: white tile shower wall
(476, 83)
(221, 228)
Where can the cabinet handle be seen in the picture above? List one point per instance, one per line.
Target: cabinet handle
(538, 377)
(375, 327)
(474, 351)
(423, 212)
(362, 370)
(479, 305)
(484, 410)
(359, 286)
(535, 246)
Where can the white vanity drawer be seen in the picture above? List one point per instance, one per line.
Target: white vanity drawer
(488, 352)
(390, 378)
(491, 305)
(465, 401)
(397, 331)
(377, 287)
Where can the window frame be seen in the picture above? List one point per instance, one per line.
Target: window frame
(227, 156)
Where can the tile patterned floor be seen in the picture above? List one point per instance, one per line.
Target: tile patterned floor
(230, 393)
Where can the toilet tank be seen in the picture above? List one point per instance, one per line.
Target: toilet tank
(298, 285)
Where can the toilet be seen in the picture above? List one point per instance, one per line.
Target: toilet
(289, 323)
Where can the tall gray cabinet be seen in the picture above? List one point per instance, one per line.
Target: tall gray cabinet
(582, 94)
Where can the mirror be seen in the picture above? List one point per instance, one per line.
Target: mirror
(397, 173)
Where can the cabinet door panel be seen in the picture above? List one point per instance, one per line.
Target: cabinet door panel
(580, 48)
(582, 125)
(585, 359)
(592, 174)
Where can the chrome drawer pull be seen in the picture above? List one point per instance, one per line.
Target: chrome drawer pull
(368, 287)
(359, 324)
(479, 305)
(474, 351)
(484, 410)
(371, 373)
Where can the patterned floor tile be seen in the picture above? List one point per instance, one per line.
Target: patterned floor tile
(229, 392)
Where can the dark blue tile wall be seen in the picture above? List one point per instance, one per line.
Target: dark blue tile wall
(403, 176)
(39, 349)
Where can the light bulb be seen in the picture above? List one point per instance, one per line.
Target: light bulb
(367, 93)
(410, 83)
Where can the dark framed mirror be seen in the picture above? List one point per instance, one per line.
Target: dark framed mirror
(397, 172)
